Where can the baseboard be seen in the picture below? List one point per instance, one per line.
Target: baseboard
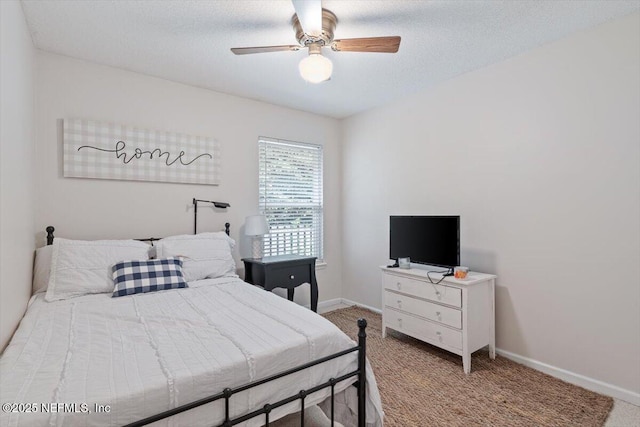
(349, 302)
(336, 303)
(573, 378)
(328, 305)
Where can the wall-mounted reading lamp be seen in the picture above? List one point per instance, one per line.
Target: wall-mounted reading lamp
(221, 205)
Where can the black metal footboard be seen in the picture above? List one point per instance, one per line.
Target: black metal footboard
(227, 393)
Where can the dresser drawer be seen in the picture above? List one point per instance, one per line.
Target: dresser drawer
(438, 293)
(438, 313)
(424, 330)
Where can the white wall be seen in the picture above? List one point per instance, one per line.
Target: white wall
(17, 232)
(93, 209)
(540, 155)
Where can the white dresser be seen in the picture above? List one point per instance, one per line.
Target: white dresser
(456, 315)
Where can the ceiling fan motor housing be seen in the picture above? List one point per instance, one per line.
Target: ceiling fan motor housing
(329, 22)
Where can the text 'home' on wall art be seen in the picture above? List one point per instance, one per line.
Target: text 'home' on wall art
(110, 151)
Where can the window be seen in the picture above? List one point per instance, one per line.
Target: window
(290, 196)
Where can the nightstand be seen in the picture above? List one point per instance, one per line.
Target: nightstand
(285, 271)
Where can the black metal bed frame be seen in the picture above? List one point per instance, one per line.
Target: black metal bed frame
(227, 393)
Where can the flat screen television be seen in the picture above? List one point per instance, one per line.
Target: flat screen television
(432, 240)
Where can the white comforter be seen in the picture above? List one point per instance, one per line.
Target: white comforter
(143, 354)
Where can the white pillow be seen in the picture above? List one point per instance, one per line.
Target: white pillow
(206, 255)
(42, 269)
(80, 267)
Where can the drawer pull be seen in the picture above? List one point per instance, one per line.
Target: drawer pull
(439, 334)
(438, 294)
(399, 285)
(399, 303)
(400, 322)
(292, 277)
(439, 316)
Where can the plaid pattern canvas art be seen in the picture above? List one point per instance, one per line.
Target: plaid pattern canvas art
(134, 277)
(100, 150)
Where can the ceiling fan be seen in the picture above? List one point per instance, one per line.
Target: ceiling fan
(314, 27)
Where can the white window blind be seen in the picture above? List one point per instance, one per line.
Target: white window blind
(290, 196)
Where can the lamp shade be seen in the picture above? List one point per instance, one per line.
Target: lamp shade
(315, 68)
(256, 225)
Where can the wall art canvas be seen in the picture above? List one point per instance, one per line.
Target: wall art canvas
(100, 150)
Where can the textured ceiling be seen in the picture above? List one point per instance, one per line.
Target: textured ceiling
(189, 42)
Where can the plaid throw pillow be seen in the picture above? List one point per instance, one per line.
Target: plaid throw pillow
(134, 277)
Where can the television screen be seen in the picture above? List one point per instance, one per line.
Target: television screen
(433, 240)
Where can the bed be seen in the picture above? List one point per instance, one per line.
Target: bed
(94, 360)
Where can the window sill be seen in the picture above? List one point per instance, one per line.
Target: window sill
(321, 265)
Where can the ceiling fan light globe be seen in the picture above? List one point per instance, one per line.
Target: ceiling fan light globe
(315, 68)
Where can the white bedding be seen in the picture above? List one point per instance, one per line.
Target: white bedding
(146, 353)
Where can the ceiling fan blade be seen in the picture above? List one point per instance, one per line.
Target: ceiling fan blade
(310, 15)
(264, 49)
(368, 44)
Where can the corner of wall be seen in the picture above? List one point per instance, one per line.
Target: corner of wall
(17, 167)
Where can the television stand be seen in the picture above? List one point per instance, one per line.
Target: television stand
(457, 315)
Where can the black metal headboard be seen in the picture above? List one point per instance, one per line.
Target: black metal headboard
(51, 229)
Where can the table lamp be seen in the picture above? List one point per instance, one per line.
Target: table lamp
(256, 226)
